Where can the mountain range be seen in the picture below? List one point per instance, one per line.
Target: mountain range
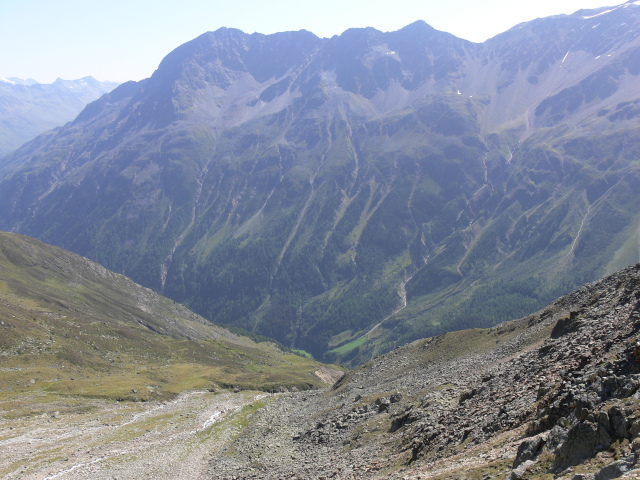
(348, 195)
(29, 108)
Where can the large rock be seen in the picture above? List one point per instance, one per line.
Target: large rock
(583, 441)
(529, 450)
(519, 473)
(613, 470)
(618, 422)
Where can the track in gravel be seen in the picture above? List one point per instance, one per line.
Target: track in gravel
(106, 439)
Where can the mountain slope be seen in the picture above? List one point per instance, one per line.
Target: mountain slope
(551, 395)
(71, 326)
(351, 194)
(28, 108)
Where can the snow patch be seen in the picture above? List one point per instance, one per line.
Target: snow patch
(215, 417)
(212, 419)
(601, 13)
(75, 467)
(565, 57)
(6, 80)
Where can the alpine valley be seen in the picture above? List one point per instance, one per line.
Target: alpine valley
(28, 108)
(348, 195)
(389, 201)
(102, 378)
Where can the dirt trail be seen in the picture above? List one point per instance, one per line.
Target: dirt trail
(106, 439)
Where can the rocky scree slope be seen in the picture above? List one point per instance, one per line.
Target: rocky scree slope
(352, 194)
(69, 326)
(553, 395)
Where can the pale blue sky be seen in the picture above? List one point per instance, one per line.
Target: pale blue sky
(126, 39)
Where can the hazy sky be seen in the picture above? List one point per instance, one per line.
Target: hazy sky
(126, 39)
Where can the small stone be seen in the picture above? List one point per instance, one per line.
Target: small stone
(583, 476)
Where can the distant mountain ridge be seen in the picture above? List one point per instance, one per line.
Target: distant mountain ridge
(29, 108)
(18, 81)
(350, 194)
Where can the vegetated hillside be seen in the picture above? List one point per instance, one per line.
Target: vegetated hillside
(29, 108)
(553, 395)
(351, 194)
(70, 326)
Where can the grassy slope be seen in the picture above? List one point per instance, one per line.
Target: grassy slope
(70, 326)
